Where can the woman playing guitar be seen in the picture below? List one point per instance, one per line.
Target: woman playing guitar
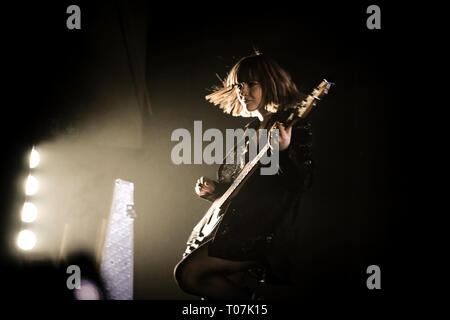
(255, 231)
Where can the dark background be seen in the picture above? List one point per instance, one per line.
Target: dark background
(360, 194)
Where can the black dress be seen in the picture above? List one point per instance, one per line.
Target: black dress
(258, 224)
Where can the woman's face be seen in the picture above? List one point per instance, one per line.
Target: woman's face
(249, 95)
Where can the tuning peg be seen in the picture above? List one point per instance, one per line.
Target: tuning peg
(329, 84)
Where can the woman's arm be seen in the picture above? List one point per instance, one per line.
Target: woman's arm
(295, 162)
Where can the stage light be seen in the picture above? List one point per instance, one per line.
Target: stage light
(26, 240)
(34, 158)
(29, 212)
(32, 186)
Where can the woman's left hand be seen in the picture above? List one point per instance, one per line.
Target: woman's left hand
(284, 138)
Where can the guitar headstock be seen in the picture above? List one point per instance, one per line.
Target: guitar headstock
(302, 109)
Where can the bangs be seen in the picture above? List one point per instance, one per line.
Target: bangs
(248, 70)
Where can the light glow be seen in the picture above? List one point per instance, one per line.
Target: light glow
(34, 158)
(29, 212)
(32, 186)
(88, 291)
(26, 240)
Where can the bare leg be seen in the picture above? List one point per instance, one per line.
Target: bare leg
(210, 277)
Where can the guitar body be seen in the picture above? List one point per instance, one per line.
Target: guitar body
(213, 217)
(198, 240)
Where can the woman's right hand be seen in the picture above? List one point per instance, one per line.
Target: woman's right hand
(204, 186)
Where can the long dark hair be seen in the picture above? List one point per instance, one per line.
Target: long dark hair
(279, 91)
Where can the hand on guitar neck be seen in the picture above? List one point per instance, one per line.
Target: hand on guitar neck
(284, 138)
